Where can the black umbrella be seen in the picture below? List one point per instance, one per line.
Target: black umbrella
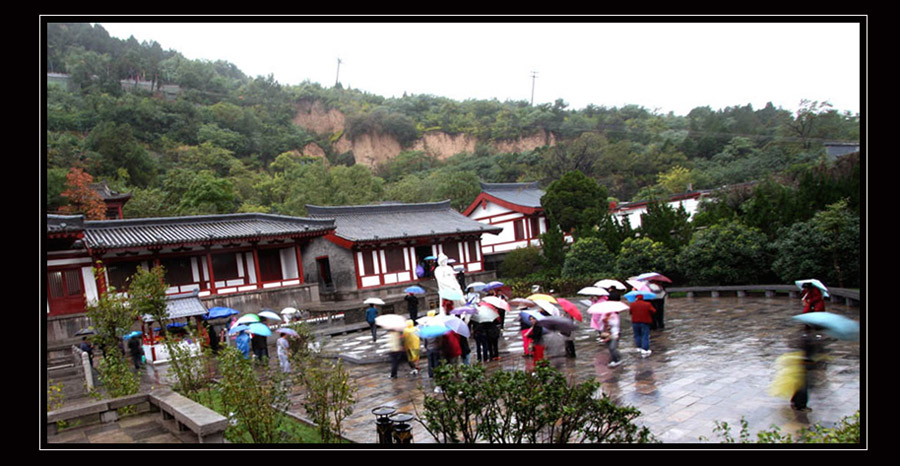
(559, 324)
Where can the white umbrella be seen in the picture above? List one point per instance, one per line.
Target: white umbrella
(248, 319)
(604, 307)
(485, 314)
(609, 283)
(289, 310)
(476, 286)
(547, 306)
(813, 282)
(270, 315)
(377, 301)
(593, 291)
(457, 325)
(391, 322)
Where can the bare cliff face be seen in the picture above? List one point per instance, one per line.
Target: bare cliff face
(373, 149)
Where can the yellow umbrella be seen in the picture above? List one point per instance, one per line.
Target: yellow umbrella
(542, 297)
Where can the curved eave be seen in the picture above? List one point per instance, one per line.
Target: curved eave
(156, 245)
(505, 204)
(374, 242)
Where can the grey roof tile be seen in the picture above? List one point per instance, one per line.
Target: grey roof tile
(523, 194)
(395, 220)
(175, 231)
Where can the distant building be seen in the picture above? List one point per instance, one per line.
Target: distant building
(514, 207)
(838, 149)
(114, 201)
(631, 211)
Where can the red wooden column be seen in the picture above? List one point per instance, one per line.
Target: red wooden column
(209, 268)
(256, 264)
(100, 276)
(299, 261)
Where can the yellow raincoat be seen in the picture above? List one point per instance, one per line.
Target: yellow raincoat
(411, 342)
(790, 375)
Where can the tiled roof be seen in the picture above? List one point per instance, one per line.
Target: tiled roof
(523, 194)
(176, 231)
(63, 224)
(394, 221)
(182, 305)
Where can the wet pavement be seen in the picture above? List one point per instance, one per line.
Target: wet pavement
(714, 361)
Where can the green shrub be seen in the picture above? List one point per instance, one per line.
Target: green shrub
(516, 407)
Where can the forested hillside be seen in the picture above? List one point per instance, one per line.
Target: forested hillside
(235, 143)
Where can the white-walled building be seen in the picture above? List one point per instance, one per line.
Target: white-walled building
(632, 211)
(515, 207)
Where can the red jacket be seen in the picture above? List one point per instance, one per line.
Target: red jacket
(813, 301)
(641, 310)
(451, 346)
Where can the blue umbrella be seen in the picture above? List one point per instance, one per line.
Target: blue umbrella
(288, 331)
(238, 329)
(835, 325)
(451, 295)
(257, 328)
(429, 258)
(633, 294)
(431, 331)
(219, 312)
(493, 285)
(525, 314)
(132, 335)
(415, 289)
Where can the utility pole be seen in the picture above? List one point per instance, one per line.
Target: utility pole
(533, 77)
(337, 78)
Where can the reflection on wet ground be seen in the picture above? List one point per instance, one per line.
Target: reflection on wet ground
(714, 361)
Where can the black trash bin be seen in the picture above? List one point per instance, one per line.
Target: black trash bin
(383, 423)
(402, 427)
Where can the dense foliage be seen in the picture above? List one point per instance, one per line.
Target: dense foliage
(225, 142)
(234, 127)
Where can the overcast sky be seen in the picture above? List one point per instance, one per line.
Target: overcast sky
(669, 66)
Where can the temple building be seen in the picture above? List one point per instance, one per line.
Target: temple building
(388, 244)
(516, 209)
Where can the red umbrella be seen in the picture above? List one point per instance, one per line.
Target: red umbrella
(570, 308)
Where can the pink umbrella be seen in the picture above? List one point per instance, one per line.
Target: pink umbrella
(522, 302)
(652, 277)
(570, 308)
(639, 285)
(496, 302)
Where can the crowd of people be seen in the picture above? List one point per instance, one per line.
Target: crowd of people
(453, 347)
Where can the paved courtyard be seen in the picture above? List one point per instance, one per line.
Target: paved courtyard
(713, 362)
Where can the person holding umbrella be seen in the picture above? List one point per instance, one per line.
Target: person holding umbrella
(243, 343)
(609, 334)
(412, 305)
(283, 348)
(535, 334)
(641, 318)
(396, 350)
(812, 298)
(371, 314)
(412, 345)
